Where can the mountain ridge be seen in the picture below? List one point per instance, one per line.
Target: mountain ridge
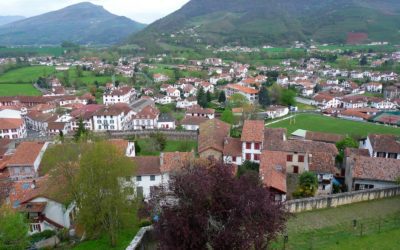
(256, 22)
(9, 19)
(83, 23)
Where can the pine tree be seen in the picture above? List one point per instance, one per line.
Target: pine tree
(81, 131)
(263, 97)
(208, 95)
(222, 97)
(201, 98)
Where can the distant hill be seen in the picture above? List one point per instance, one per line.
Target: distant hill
(83, 23)
(9, 19)
(278, 22)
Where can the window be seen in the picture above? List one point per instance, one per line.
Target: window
(98, 121)
(256, 157)
(301, 158)
(289, 158)
(295, 169)
(35, 227)
(381, 154)
(392, 155)
(234, 158)
(248, 145)
(99, 126)
(248, 157)
(256, 145)
(138, 178)
(139, 191)
(152, 177)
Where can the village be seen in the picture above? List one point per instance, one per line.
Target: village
(224, 116)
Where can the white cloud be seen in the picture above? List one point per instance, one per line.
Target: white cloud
(145, 11)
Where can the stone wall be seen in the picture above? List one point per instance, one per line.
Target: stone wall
(335, 200)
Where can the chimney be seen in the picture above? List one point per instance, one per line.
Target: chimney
(33, 185)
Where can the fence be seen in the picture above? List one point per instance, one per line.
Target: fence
(339, 236)
(301, 205)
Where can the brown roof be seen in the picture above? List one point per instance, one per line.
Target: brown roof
(273, 170)
(33, 207)
(385, 143)
(274, 137)
(26, 153)
(41, 117)
(115, 109)
(199, 110)
(193, 120)
(10, 123)
(147, 165)
(120, 91)
(56, 125)
(148, 112)
(384, 169)
(253, 131)
(212, 135)
(356, 151)
(232, 147)
(174, 161)
(323, 98)
(322, 162)
(355, 113)
(323, 137)
(119, 144)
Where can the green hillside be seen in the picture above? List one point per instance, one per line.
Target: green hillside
(277, 22)
(83, 23)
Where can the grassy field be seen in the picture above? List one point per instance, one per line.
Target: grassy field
(26, 74)
(302, 106)
(28, 51)
(321, 123)
(333, 228)
(18, 89)
(172, 146)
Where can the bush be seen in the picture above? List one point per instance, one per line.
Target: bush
(42, 235)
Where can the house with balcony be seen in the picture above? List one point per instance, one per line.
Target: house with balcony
(252, 140)
(146, 118)
(123, 94)
(43, 209)
(251, 94)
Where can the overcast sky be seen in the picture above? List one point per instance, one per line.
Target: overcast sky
(145, 11)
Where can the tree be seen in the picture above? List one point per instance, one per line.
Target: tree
(363, 61)
(159, 141)
(208, 96)
(104, 205)
(222, 97)
(79, 71)
(213, 209)
(227, 116)
(201, 98)
(347, 142)
(308, 185)
(13, 230)
(274, 93)
(81, 132)
(263, 97)
(248, 166)
(288, 97)
(237, 101)
(317, 88)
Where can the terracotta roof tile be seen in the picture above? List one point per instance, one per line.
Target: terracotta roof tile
(232, 147)
(253, 131)
(385, 143)
(26, 153)
(10, 123)
(384, 169)
(273, 170)
(174, 161)
(323, 137)
(147, 165)
(212, 135)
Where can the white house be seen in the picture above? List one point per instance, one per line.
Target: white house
(198, 111)
(385, 146)
(252, 140)
(43, 209)
(165, 121)
(118, 95)
(250, 93)
(146, 118)
(173, 92)
(374, 87)
(115, 117)
(162, 99)
(188, 102)
(277, 111)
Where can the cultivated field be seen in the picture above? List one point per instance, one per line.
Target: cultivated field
(326, 124)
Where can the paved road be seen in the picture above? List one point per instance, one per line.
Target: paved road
(304, 100)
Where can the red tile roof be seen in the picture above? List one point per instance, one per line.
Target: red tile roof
(253, 131)
(384, 169)
(175, 161)
(10, 123)
(147, 165)
(273, 170)
(232, 147)
(26, 154)
(212, 135)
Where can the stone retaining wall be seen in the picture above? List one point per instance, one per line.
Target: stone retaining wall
(335, 200)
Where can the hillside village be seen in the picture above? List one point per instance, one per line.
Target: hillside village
(30, 125)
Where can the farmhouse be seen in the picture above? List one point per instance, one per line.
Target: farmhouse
(250, 93)
(212, 134)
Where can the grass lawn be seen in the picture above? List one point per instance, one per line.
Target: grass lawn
(26, 74)
(18, 89)
(124, 239)
(302, 106)
(172, 146)
(333, 228)
(321, 123)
